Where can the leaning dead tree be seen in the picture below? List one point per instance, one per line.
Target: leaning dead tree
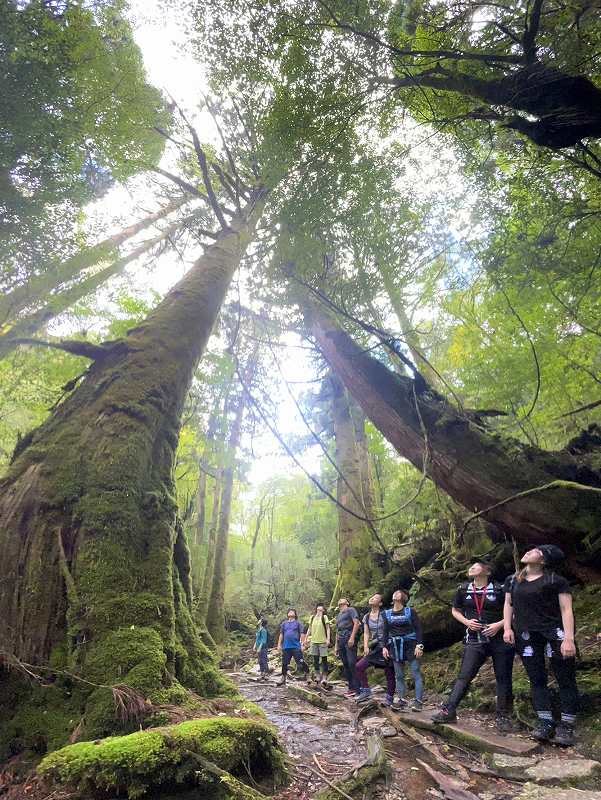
(530, 494)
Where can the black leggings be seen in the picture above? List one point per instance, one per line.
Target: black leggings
(296, 653)
(532, 651)
(474, 655)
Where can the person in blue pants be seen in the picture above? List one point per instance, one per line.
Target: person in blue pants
(260, 647)
(403, 636)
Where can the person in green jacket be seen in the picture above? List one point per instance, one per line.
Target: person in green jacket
(260, 647)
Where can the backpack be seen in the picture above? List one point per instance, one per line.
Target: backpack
(407, 611)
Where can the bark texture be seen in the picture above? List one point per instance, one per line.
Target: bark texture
(91, 495)
(357, 568)
(476, 467)
(563, 109)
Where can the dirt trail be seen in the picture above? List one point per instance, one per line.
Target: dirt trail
(333, 740)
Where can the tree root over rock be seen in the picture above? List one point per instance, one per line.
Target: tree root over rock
(375, 766)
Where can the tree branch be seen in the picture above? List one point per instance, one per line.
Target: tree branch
(531, 31)
(455, 55)
(73, 346)
(557, 484)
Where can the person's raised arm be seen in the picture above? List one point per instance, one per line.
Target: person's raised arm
(568, 646)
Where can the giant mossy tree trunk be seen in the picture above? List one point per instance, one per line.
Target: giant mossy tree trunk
(87, 509)
(476, 467)
(357, 568)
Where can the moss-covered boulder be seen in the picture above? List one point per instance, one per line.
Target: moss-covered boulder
(161, 760)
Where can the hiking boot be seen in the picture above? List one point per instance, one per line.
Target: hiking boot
(417, 705)
(387, 701)
(281, 681)
(564, 735)
(445, 716)
(504, 723)
(363, 696)
(543, 730)
(398, 703)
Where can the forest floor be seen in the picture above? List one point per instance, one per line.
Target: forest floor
(476, 763)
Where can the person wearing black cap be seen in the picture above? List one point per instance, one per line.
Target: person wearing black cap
(478, 604)
(539, 620)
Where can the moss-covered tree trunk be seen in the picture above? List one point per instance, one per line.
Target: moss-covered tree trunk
(87, 509)
(477, 467)
(357, 568)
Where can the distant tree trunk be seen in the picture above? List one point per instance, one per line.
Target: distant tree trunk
(477, 468)
(29, 324)
(263, 508)
(357, 569)
(205, 463)
(215, 613)
(38, 287)
(408, 332)
(209, 566)
(87, 509)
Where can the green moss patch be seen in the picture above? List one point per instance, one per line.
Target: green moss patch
(157, 760)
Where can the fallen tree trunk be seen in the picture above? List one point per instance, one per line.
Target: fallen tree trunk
(478, 468)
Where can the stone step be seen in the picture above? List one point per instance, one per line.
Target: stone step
(531, 791)
(472, 736)
(581, 772)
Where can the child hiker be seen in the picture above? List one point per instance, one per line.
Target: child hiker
(318, 637)
(260, 647)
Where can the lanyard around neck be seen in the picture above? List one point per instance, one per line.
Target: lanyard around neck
(479, 596)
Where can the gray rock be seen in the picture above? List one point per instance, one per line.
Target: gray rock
(388, 731)
(566, 771)
(533, 792)
(511, 766)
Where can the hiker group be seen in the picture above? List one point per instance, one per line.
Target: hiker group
(530, 613)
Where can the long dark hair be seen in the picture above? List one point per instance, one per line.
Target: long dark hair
(292, 609)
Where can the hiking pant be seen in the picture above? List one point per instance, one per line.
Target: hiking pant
(263, 664)
(293, 652)
(348, 656)
(399, 672)
(474, 655)
(533, 647)
(365, 663)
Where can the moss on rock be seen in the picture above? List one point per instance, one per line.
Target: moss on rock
(150, 762)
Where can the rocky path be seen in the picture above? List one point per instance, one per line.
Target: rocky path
(326, 738)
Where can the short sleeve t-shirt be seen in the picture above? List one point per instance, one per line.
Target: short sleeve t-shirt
(376, 628)
(318, 630)
(468, 597)
(536, 603)
(291, 631)
(345, 619)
